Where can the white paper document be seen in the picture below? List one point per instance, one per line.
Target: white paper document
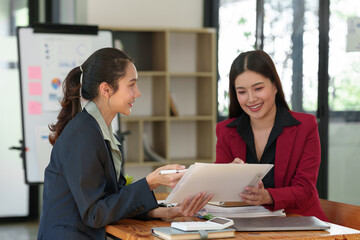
(225, 181)
(241, 212)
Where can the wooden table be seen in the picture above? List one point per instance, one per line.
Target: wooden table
(130, 229)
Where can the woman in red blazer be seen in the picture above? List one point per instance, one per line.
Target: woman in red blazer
(262, 129)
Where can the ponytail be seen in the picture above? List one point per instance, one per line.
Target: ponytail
(70, 104)
(104, 65)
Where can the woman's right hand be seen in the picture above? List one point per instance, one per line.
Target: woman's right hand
(154, 179)
(237, 161)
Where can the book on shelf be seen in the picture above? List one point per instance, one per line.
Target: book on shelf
(173, 108)
(150, 153)
(173, 233)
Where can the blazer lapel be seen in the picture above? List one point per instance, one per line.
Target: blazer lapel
(238, 146)
(111, 173)
(284, 146)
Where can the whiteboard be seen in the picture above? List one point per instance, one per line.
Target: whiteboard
(45, 59)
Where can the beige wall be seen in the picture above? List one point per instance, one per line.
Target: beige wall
(142, 13)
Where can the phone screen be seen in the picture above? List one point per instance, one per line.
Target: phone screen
(219, 220)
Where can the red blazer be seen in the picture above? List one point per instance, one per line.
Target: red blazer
(297, 161)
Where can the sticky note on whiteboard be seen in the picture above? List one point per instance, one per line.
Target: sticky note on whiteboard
(34, 72)
(35, 88)
(34, 108)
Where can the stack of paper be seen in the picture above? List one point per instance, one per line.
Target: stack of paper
(241, 212)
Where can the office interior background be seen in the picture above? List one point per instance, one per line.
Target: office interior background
(306, 38)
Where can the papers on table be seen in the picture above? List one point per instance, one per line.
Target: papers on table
(225, 181)
(241, 212)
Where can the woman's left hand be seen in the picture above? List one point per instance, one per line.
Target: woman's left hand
(188, 208)
(257, 195)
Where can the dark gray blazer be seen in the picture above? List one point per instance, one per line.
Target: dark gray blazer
(81, 195)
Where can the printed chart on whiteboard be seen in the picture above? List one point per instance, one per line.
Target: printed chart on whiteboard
(58, 56)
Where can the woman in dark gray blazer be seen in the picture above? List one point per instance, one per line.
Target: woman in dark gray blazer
(84, 189)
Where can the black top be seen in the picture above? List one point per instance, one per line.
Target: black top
(283, 119)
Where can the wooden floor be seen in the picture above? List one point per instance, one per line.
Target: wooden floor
(19, 231)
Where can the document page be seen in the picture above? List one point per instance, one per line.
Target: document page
(241, 212)
(225, 181)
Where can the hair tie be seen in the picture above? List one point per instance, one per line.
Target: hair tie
(81, 75)
(81, 81)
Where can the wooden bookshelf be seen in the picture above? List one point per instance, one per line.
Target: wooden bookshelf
(180, 63)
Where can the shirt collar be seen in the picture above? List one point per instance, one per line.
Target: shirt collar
(107, 132)
(283, 119)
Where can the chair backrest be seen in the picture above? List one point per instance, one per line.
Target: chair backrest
(341, 213)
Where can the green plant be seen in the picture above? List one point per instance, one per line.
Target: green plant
(129, 179)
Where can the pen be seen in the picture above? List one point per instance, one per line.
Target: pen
(163, 172)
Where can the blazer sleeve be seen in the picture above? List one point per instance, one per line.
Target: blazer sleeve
(83, 169)
(298, 189)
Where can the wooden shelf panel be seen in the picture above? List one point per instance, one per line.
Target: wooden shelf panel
(193, 30)
(155, 141)
(142, 118)
(191, 74)
(193, 96)
(182, 161)
(190, 161)
(153, 97)
(191, 52)
(191, 140)
(149, 164)
(191, 118)
(132, 148)
(144, 47)
(171, 62)
(151, 73)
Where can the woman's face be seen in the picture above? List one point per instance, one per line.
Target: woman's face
(123, 99)
(256, 95)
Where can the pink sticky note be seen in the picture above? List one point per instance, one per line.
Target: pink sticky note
(34, 72)
(35, 108)
(35, 89)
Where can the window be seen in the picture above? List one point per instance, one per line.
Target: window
(237, 24)
(291, 37)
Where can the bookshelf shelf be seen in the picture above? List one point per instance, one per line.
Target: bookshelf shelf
(175, 65)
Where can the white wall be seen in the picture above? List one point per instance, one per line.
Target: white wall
(14, 192)
(143, 13)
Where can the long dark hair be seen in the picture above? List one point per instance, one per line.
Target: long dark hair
(104, 65)
(257, 61)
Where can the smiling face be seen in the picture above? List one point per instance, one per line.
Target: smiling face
(123, 99)
(256, 95)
